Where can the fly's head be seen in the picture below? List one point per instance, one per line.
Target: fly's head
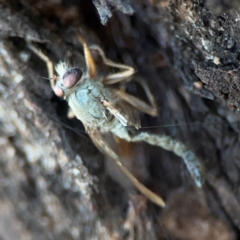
(67, 80)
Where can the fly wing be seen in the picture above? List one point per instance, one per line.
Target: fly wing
(104, 147)
(124, 112)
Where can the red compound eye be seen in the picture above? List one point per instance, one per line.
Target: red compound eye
(71, 77)
(58, 91)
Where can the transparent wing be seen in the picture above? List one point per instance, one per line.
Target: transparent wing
(124, 112)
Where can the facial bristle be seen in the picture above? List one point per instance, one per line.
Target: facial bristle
(61, 68)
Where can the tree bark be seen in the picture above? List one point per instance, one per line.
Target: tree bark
(53, 180)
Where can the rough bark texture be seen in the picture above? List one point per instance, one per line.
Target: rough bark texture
(53, 181)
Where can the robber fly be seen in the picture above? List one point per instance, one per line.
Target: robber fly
(102, 110)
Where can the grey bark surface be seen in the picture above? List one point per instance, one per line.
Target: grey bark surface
(54, 182)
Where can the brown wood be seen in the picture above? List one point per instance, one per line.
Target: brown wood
(53, 180)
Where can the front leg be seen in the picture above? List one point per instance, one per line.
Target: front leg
(104, 147)
(91, 66)
(48, 62)
(125, 73)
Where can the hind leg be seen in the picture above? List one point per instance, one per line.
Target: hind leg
(104, 147)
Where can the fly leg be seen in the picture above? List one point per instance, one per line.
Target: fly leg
(48, 62)
(104, 147)
(137, 103)
(88, 57)
(127, 72)
(150, 96)
(113, 78)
